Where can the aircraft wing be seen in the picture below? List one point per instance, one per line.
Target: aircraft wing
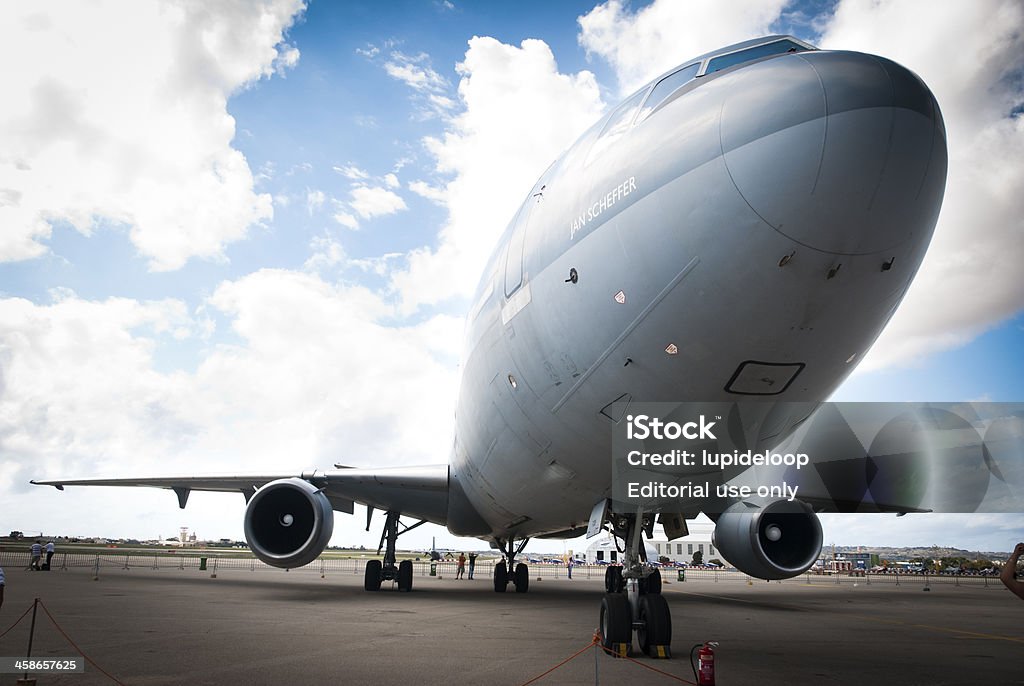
(420, 492)
(830, 504)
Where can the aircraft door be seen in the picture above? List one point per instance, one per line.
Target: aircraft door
(517, 241)
(514, 252)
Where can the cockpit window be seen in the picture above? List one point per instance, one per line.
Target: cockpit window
(622, 117)
(666, 87)
(734, 58)
(618, 123)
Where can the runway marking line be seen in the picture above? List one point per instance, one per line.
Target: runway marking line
(896, 622)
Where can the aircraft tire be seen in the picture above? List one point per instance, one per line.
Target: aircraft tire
(522, 578)
(405, 575)
(657, 624)
(652, 584)
(372, 576)
(613, 581)
(616, 620)
(500, 578)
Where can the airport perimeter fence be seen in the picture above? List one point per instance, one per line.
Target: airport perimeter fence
(214, 562)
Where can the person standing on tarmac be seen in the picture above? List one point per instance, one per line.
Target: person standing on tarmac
(472, 565)
(37, 553)
(1007, 575)
(49, 555)
(461, 571)
(3, 584)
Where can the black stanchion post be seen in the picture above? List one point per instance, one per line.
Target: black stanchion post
(31, 635)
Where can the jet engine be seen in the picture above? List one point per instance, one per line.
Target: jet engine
(288, 523)
(779, 540)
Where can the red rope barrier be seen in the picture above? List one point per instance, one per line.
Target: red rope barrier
(597, 642)
(75, 646)
(568, 659)
(18, 621)
(653, 669)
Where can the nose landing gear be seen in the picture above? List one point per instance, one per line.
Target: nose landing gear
(633, 600)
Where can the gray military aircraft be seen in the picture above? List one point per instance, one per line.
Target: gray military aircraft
(741, 227)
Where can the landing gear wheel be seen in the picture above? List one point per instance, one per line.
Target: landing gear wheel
(522, 578)
(616, 622)
(371, 580)
(405, 575)
(656, 634)
(500, 577)
(613, 581)
(652, 584)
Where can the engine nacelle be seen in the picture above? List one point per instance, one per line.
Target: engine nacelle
(779, 540)
(288, 523)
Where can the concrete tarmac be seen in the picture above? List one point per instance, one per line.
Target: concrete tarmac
(173, 626)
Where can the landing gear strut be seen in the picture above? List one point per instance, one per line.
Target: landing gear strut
(377, 571)
(633, 600)
(507, 570)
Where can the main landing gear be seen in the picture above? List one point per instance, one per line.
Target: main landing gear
(378, 571)
(633, 600)
(507, 570)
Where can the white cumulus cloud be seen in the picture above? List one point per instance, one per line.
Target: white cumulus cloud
(346, 219)
(430, 89)
(75, 148)
(369, 202)
(314, 200)
(413, 71)
(350, 171)
(316, 373)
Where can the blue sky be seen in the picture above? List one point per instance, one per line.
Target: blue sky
(990, 368)
(242, 238)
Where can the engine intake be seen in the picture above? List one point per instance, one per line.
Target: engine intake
(779, 540)
(288, 523)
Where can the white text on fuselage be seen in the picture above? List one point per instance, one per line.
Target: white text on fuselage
(603, 203)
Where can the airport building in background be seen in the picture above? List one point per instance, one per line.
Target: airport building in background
(603, 548)
(683, 549)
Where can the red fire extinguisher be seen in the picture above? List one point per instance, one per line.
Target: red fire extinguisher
(704, 669)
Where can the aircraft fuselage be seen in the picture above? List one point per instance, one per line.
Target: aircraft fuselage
(748, 237)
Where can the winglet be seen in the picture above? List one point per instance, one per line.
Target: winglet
(59, 487)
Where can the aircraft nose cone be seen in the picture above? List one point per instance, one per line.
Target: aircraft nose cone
(846, 153)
